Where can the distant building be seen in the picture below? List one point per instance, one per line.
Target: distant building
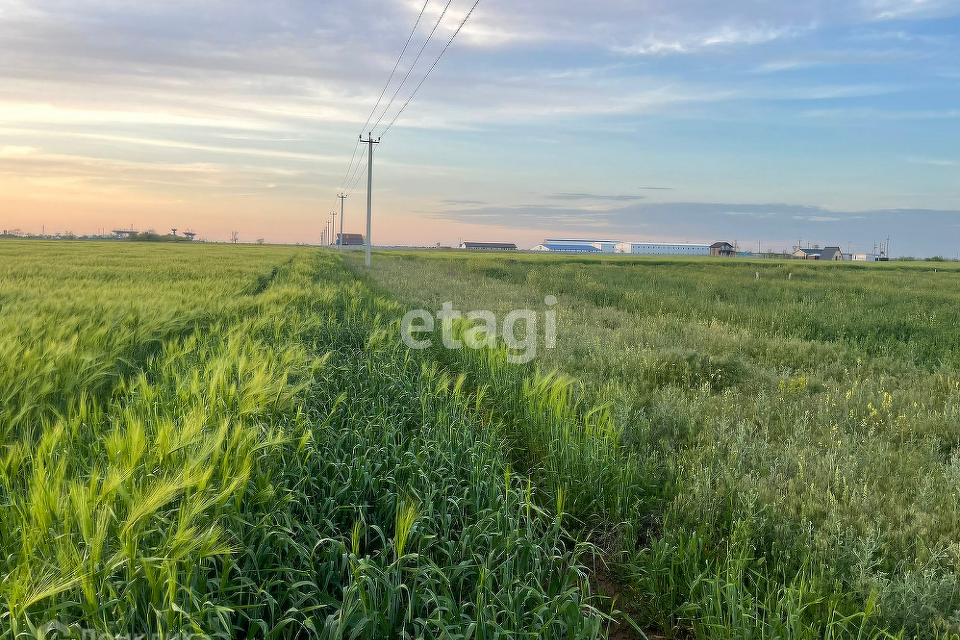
(566, 247)
(489, 246)
(663, 249)
(350, 239)
(603, 246)
(864, 257)
(827, 253)
(724, 249)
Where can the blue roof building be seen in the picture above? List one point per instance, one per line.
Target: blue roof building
(558, 247)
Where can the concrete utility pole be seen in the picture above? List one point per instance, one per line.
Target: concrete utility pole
(342, 197)
(333, 228)
(369, 141)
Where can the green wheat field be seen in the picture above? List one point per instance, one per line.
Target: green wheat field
(234, 442)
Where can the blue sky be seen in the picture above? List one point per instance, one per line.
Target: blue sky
(778, 122)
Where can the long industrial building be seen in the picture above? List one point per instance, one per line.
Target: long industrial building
(586, 245)
(602, 246)
(556, 246)
(663, 248)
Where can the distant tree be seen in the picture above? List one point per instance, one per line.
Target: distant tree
(260, 241)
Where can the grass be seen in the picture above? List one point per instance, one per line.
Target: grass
(783, 451)
(233, 443)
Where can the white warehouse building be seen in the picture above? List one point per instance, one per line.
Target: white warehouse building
(603, 246)
(663, 249)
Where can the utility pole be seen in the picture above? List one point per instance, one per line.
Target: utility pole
(369, 141)
(333, 227)
(342, 197)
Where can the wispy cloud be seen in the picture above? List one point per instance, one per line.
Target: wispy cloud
(818, 218)
(878, 114)
(934, 162)
(594, 196)
(723, 36)
(463, 203)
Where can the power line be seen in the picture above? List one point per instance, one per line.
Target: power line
(392, 73)
(384, 91)
(371, 142)
(358, 174)
(350, 166)
(414, 65)
(359, 178)
(435, 62)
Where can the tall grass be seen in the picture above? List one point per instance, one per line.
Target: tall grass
(245, 450)
(791, 441)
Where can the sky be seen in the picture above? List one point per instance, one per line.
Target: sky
(767, 123)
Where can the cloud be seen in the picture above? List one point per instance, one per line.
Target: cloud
(10, 150)
(287, 86)
(463, 203)
(754, 214)
(594, 196)
(661, 27)
(901, 9)
(860, 113)
(723, 36)
(777, 66)
(934, 162)
(818, 218)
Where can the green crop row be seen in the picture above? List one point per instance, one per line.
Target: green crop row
(214, 443)
(782, 453)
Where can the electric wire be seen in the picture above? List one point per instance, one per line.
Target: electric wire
(432, 67)
(360, 166)
(359, 178)
(361, 169)
(383, 92)
(414, 65)
(397, 65)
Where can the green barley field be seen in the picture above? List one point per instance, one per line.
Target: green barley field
(234, 442)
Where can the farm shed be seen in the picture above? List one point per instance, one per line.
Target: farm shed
(350, 239)
(827, 253)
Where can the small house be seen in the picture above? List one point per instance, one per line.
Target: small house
(827, 253)
(350, 239)
(724, 249)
